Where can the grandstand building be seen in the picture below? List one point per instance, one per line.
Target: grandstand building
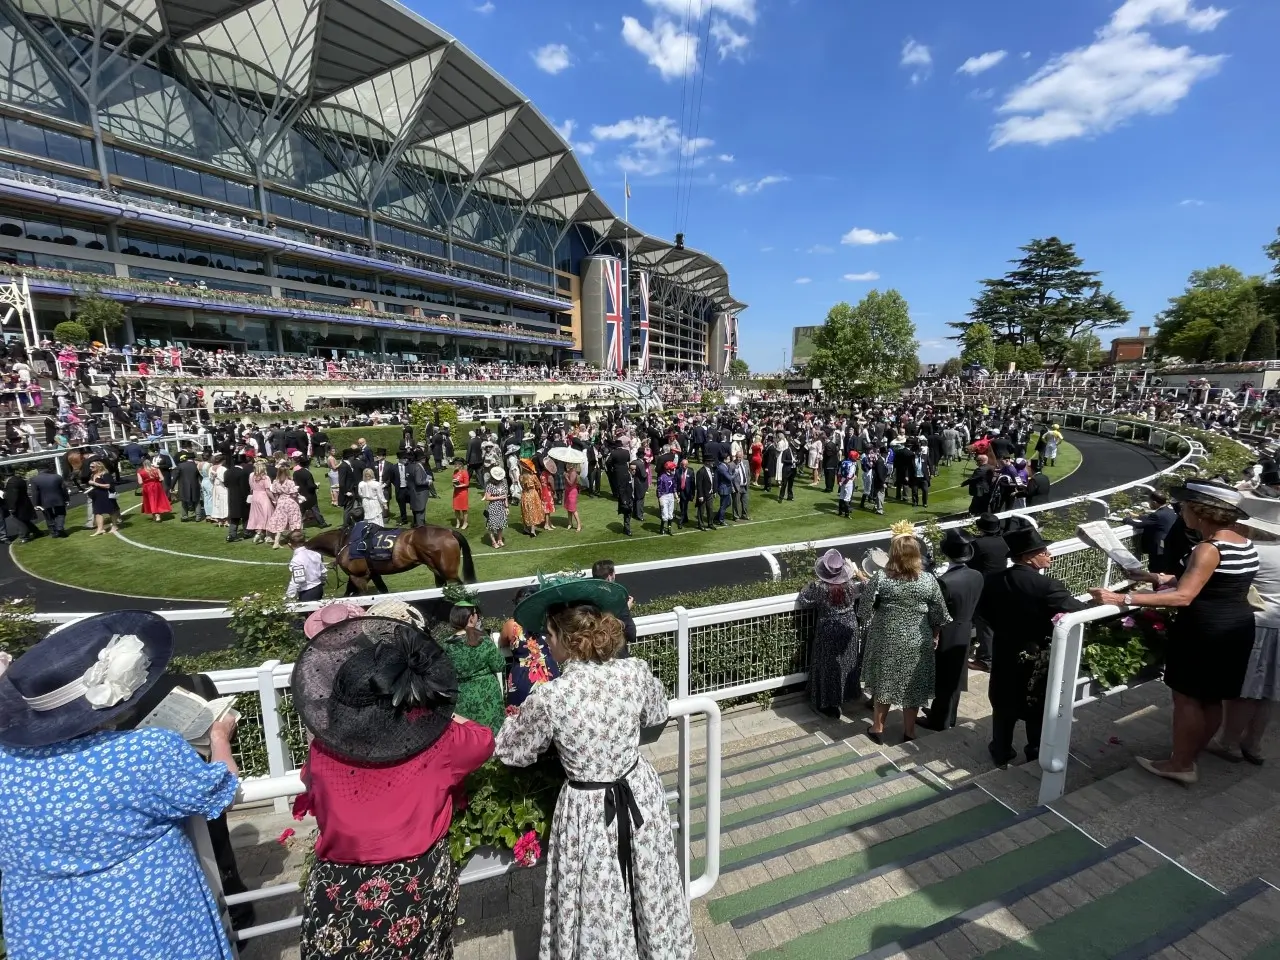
(326, 177)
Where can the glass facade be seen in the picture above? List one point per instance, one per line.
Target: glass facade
(225, 113)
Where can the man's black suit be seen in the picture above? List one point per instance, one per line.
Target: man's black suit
(962, 589)
(1019, 605)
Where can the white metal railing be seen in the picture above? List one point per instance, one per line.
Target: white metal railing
(1061, 697)
(681, 710)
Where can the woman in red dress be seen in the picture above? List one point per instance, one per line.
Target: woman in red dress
(155, 501)
(757, 460)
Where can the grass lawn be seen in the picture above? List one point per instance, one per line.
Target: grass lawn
(189, 560)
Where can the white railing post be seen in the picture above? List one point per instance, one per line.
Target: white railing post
(197, 831)
(1060, 687)
(683, 730)
(273, 738)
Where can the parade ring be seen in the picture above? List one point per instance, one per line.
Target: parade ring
(172, 560)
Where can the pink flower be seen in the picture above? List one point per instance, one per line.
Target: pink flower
(527, 850)
(373, 893)
(1128, 622)
(285, 835)
(1158, 627)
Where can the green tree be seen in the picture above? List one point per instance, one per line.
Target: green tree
(97, 312)
(1262, 343)
(1213, 318)
(952, 367)
(71, 331)
(1085, 353)
(1047, 299)
(979, 346)
(738, 368)
(865, 350)
(1004, 354)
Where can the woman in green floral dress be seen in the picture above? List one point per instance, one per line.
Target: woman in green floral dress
(477, 662)
(904, 610)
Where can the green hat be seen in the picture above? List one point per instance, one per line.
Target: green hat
(570, 589)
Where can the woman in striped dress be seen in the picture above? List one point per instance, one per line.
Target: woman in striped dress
(1211, 639)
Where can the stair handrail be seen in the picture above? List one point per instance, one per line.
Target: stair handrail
(1064, 668)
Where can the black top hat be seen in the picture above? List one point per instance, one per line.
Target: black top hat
(76, 680)
(374, 689)
(957, 546)
(1024, 541)
(989, 523)
(380, 452)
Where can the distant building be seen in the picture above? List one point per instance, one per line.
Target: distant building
(1132, 349)
(802, 345)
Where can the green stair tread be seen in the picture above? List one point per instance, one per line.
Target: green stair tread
(833, 871)
(1104, 927)
(809, 831)
(825, 790)
(843, 759)
(1268, 951)
(801, 747)
(899, 918)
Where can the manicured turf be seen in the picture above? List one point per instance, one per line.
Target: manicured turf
(113, 565)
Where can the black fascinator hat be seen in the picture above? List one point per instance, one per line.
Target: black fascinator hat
(374, 690)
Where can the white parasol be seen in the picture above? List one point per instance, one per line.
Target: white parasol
(568, 455)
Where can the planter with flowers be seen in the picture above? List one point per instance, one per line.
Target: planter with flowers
(1124, 651)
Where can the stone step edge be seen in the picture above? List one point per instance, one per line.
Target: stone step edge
(880, 818)
(848, 882)
(1007, 899)
(1180, 931)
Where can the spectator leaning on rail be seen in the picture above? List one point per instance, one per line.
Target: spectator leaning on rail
(105, 869)
(384, 775)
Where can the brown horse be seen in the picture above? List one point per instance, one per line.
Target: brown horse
(446, 552)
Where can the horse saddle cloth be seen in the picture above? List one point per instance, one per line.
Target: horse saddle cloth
(371, 542)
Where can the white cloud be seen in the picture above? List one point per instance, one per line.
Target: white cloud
(566, 129)
(766, 249)
(982, 63)
(867, 277)
(917, 58)
(740, 9)
(1191, 203)
(804, 280)
(485, 8)
(744, 187)
(862, 237)
(553, 58)
(985, 94)
(668, 48)
(821, 248)
(725, 158)
(653, 144)
(1122, 74)
(729, 43)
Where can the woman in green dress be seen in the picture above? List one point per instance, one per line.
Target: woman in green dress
(477, 661)
(903, 608)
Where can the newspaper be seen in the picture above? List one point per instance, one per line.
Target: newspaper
(190, 715)
(1098, 533)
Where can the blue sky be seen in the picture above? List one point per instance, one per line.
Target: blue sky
(843, 145)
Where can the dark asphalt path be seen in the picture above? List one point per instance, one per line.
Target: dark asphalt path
(1106, 463)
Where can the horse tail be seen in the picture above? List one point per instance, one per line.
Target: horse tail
(468, 567)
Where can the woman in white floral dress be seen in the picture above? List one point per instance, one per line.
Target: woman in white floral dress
(613, 887)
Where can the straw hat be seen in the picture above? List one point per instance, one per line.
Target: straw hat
(1263, 514)
(498, 473)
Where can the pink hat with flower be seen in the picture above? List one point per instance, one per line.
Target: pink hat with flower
(328, 615)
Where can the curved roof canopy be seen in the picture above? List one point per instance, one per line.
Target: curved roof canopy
(374, 69)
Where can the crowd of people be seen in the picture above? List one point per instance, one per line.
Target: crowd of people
(399, 712)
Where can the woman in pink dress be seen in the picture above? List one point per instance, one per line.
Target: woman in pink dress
(260, 502)
(286, 515)
(571, 498)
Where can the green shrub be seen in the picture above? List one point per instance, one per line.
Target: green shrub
(1091, 426)
(1124, 431)
(71, 331)
(19, 631)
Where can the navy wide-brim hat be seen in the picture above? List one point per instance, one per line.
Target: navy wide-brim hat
(63, 657)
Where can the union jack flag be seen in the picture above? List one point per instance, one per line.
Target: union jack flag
(730, 339)
(642, 281)
(613, 313)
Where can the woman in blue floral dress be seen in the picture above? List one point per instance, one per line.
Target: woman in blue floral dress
(105, 871)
